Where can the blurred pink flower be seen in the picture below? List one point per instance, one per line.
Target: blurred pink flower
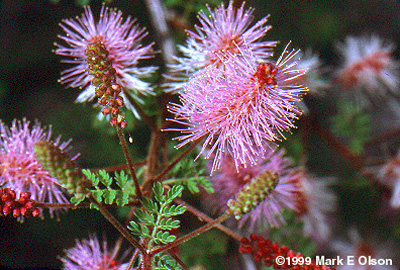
(240, 110)
(368, 69)
(226, 32)
(389, 175)
(122, 40)
(20, 169)
(314, 204)
(364, 253)
(228, 181)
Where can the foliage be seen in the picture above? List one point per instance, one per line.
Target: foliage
(154, 218)
(165, 262)
(352, 123)
(103, 190)
(192, 174)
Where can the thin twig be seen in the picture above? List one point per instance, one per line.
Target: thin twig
(193, 234)
(383, 137)
(133, 259)
(172, 164)
(206, 218)
(142, 114)
(119, 167)
(128, 158)
(121, 238)
(62, 205)
(356, 160)
(153, 155)
(178, 260)
(128, 236)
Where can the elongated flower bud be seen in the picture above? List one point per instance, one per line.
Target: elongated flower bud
(105, 80)
(253, 194)
(60, 166)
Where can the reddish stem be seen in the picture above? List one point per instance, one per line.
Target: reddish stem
(176, 258)
(119, 167)
(203, 216)
(128, 158)
(191, 235)
(356, 160)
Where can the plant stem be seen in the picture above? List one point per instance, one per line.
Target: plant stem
(356, 160)
(176, 258)
(128, 158)
(152, 157)
(64, 205)
(128, 236)
(146, 261)
(203, 216)
(119, 167)
(142, 114)
(191, 235)
(383, 137)
(176, 161)
(133, 259)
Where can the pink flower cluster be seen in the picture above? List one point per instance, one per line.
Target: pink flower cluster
(239, 101)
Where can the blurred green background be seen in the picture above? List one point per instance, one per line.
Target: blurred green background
(29, 71)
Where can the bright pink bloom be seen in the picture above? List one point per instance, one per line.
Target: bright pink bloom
(224, 33)
(90, 254)
(19, 167)
(122, 40)
(242, 109)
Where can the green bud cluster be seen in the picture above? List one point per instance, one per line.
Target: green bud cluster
(105, 80)
(61, 167)
(253, 194)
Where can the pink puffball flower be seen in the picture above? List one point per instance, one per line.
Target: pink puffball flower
(90, 254)
(21, 170)
(226, 32)
(240, 110)
(315, 204)
(122, 39)
(368, 70)
(228, 182)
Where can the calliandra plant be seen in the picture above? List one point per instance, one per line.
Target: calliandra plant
(230, 103)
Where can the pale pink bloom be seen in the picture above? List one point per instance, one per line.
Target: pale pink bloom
(314, 78)
(369, 69)
(90, 254)
(21, 170)
(225, 33)
(363, 251)
(241, 110)
(228, 181)
(389, 175)
(315, 205)
(122, 39)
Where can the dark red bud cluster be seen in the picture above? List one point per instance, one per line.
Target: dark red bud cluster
(263, 250)
(105, 80)
(265, 74)
(23, 206)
